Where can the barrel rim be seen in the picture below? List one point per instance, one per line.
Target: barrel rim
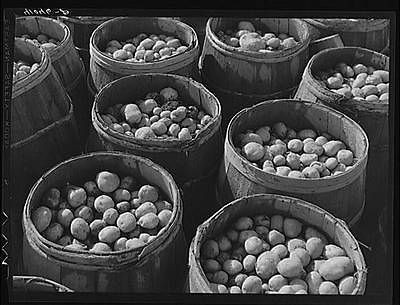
(85, 19)
(349, 25)
(256, 56)
(158, 144)
(65, 44)
(132, 255)
(310, 184)
(118, 65)
(32, 79)
(323, 89)
(28, 279)
(194, 250)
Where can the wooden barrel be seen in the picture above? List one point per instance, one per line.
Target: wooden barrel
(342, 195)
(242, 78)
(81, 28)
(157, 267)
(373, 118)
(24, 284)
(270, 204)
(199, 25)
(43, 132)
(105, 69)
(333, 41)
(372, 34)
(65, 60)
(193, 163)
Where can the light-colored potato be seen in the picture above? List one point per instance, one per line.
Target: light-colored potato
(291, 227)
(266, 264)
(295, 145)
(53, 232)
(239, 279)
(276, 282)
(79, 228)
(235, 290)
(134, 243)
(291, 267)
(109, 234)
(298, 284)
(243, 223)
(347, 285)
(103, 202)
(253, 245)
(76, 196)
(84, 212)
(332, 251)
(246, 234)
(100, 247)
(148, 221)
(264, 133)
(312, 232)
(275, 237)
(126, 222)
(314, 280)
(384, 98)
(345, 156)
(277, 149)
(336, 267)
(301, 254)
(110, 216)
(249, 263)
(315, 247)
(252, 284)
(280, 250)
(41, 218)
(307, 159)
(332, 147)
(286, 289)
(369, 90)
(295, 243)
(253, 151)
(232, 266)
(384, 75)
(328, 287)
(107, 182)
(283, 170)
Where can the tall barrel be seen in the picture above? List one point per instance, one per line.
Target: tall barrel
(270, 204)
(157, 267)
(65, 60)
(81, 28)
(105, 69)
(366, 33)
(43, 131)
(372, 116)
(193, 163)
(242, 78)
(342, 195)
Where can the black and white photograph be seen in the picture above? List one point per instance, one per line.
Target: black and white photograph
(189, 156)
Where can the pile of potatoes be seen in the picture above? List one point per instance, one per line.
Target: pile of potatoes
(273, 255)
(22, 69)
(247, 38)
(107, 214)
(43, 40)
(358, 82)
(145, 48)
(159, 115)
(296, 154)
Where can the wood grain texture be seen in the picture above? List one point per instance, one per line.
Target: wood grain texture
(105, 69)
(64, 58)
(156, 267)
(271, 204)
(254, 73)
(367, 33)
(372, 117)
(342, 195)
(332, 41)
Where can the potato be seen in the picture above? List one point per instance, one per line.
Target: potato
(79, 228)
(280, 250)
(347, 285)
(315, 246)
(84, 212)
(107, 182)
(301, 291)
(280, 129)
(276, 282)
(373, 80)
(76, 196)
(332, 147)
(123, 206)
(53, 232)
(331, 250)
(251, 42)
(181, 49)
(239, 279)
(211, 265)
(275, 237)
(249, 137)
(184, 134)
(273, 42)
(295, 243)
(382, 74)
(336, 267)
(253, 245)
(279, 160)
(120, 244)
(359, 68)
(313, 148)
(246, 234)
(102, 203)
(134, 243)
(298, 284)
(232, 266)
(243, 223)
(269, 169)
(249, 263)
(345, 156)
(291, 267)
(264, 133)
(327, 287)
(277, 223)
(307, 159)
(210, 249)
(164, 217)
(109, 234)
(331, 163)
(148, 221)
(91, 188)
(384, 98)
(235, 290)
(252, 284)
(253, 151)
(64, 217)
(283, 171)
(301, 254)
(266, 264)
(289, 42)
(220, 277)
(148, 193)
(277, 149)
(286, 289)
(295, 145)
(369, 90)
(65, 240)
(126, 222)
(291, 227)
(100, 247)
(382, 88)
(296, 174)
(144, 132)
(52, 198)
(262, 231)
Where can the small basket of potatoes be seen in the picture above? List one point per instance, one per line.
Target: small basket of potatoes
(273, 244)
